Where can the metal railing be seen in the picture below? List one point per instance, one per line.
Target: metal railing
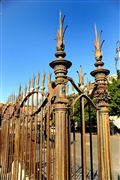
(36, 137)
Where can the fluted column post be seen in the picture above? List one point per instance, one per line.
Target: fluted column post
(101, 97)
(62, 132)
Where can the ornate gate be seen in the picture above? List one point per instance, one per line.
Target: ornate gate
(38, 135)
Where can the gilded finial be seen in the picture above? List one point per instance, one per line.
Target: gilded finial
(49, 78)
(43, 79)
(98, 45)
(29, 86)
(19, 94)
(19, 90)
(33, 82)
(81, 76)
(37, 80)
(60, 34)
(25, 90)
(14, 97)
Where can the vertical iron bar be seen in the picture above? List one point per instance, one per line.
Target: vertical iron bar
(74, 140)
(36, 136)
(91, 153)
(74, 144)
(22, 141)
(12, 143)
(41, 140)
(27, 143)
(48, 144)
(3, 146)
(9, 146)
(8, 150)
(69, 144)
(99, 145)
(35, 149)
(23, 144)
(44, 144)
(6, 146)
(83, 140)
(16, 153)
(63, 153)
(32, 130)
(30, 144)
(31, 127)
(54, 145)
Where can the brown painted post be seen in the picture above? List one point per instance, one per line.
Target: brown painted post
(60, 66)
(101, 96)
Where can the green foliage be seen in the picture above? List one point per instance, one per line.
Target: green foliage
(92, 115)
(114, 105)
(76, 116)
(114, 102)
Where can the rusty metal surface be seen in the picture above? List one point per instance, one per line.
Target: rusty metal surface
(101, 96)
(36, 137)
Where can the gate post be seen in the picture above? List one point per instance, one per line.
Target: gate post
(62, 132)
(101, 97)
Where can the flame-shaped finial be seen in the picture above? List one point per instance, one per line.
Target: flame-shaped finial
(61, 25)
(25, 90)
(37, 79)
(43, 79)
(19, 90)
(60, 34)
(29, 82)
(33, 82)
(98, 45)
(49, 78)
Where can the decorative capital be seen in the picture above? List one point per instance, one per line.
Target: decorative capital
(102, 95)
(100, 73)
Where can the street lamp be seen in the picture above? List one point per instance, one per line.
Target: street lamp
(117, 58)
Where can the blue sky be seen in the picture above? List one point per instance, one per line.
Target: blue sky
(28, 30)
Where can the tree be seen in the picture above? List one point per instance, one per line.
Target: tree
(76, 116)
(114, 102)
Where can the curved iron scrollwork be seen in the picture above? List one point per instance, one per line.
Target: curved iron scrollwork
(87, 98)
